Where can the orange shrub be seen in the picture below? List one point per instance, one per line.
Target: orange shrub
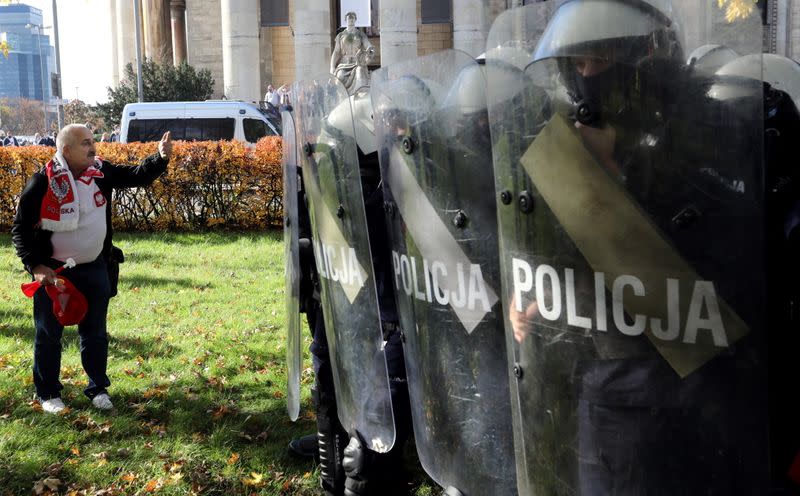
(208, 184)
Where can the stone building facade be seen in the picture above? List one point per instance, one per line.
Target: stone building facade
(247, 44)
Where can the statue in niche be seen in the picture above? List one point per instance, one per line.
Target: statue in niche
(351, 53)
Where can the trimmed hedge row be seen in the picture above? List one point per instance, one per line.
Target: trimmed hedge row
(207, 185)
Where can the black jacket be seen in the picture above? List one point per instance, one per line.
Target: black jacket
(33, 243)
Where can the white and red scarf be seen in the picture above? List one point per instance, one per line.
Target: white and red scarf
(60, 209)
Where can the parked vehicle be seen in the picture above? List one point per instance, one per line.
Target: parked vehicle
(196, 121)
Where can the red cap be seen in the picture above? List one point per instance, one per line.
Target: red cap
(69, 304)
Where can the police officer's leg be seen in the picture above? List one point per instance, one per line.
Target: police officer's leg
(307, 446)
(372, 473)
(331, 437)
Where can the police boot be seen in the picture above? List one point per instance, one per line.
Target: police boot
(373, 474)
(330, 440)
(305, 447)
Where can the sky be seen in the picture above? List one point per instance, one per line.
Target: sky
(85, 39)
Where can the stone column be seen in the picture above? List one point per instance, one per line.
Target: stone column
(203, 23)
(240, 57)
(312, 38)
(781, 34)
(794, 30)
(398, 30)
(126, 35)
(158, 35)
(178, 16)
(470, 26)
(116, 75)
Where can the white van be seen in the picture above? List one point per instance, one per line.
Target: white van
(195, 121)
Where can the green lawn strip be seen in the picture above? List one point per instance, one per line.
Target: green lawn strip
(197, 364)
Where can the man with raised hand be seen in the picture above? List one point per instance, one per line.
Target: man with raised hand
(65, 212)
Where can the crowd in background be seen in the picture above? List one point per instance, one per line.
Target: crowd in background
(49, 139)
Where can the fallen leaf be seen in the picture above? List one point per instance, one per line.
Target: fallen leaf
(46, 485)
(173, 467)
(129, 477)
(255, 479)
(233, 459)
(54, 469)
(220, 412)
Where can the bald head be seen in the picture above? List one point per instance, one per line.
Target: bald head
(76, 144)
(69, 134)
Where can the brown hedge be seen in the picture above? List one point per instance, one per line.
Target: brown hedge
(207, 185)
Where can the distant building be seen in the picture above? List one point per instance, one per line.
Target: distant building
(31, 59)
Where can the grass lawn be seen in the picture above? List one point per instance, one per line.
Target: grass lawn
(197, 365)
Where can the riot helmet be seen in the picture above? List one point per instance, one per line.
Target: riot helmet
(411, 102)
(607, 53)
(353, 118)
(464, 111)
(780, 72)
(710, 57)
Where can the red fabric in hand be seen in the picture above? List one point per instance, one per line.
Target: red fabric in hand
(69, 304)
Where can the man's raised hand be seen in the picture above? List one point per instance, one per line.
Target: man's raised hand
(165, 146)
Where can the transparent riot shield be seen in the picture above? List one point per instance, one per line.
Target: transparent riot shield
(291, 255)
(631, 237)
(342, 253)
(432, 130)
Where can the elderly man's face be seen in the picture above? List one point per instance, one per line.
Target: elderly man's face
(351, 21)
(79, 151)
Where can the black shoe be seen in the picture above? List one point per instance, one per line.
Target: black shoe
(305, 447)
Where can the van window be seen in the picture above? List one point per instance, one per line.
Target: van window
(181, 129)
(255, 129)
(153, 129)
(209, 129)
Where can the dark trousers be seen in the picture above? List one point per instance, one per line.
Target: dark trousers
(92, 280)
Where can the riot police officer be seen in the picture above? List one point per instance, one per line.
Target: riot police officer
(303, 296)
(631, 231)
(782, 238)
(435, 156)
(361, 396)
